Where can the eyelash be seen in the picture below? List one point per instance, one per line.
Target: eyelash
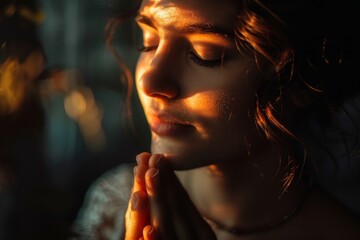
(204, 63)
(146, 49)
(193, 57)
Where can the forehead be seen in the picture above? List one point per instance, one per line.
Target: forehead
(184, 12)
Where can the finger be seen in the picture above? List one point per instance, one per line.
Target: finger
(160, 212)
(152, 181)
(138, 190)
(149, 233)
(139, 171)
(139, 178)
(143, 158)
(137, 215)
(155, 159)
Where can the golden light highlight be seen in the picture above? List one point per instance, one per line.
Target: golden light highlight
(262, 34)
(210, 39)
(215, 171)
(272, 128)
(169, 15)
(75, 104)
(12, 86)
(81, 106)
(164, 16)
(220, 106)
(254, 33)
(199, 103)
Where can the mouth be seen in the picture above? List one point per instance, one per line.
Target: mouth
(165, 125)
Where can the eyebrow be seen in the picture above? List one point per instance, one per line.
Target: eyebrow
(196, 28)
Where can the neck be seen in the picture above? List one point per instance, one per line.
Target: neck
(248, 195)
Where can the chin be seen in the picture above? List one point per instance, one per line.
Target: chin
(185, 156)
(181, 163)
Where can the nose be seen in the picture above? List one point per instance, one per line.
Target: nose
(159, 73)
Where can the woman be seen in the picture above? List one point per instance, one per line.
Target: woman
(232, 91)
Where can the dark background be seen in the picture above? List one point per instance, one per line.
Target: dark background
(73, 37)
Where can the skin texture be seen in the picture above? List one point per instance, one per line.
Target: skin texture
(215, 102)
(150, 197)
(198, 95)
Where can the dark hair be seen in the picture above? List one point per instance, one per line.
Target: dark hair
(110, 31)
(308, 57)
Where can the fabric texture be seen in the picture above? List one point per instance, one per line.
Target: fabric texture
(105, 204)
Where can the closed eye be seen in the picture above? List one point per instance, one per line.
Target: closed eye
(204, 63)
(147, 49)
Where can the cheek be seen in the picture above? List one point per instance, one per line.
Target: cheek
(221, 117)
(224, 91)
(225, 117)
(227, 98)
(211, 104)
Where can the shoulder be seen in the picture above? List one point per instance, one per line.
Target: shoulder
(105, 204)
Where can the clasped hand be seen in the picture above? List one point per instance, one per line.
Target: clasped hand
(159, 207)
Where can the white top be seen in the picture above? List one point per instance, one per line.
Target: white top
(105, 204)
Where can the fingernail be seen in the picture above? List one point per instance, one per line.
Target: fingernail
(152, 182)
(155, 173)
(157, 161)
(134, 202)
(137, 159)
(149, 230)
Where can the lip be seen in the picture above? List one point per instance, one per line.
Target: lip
(169, 126)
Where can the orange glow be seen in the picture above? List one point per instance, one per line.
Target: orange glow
(169, 15)
(215, 171)
(81, 106)
(165, 15)
(210, 39)
(174, 18)
(75, 104)
(201, 104)
(218, 108)
(12, 86)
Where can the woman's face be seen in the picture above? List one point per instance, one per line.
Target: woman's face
(197, 91)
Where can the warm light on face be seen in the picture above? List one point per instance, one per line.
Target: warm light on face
(210, 105)
(168, 14)
(192, 81)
